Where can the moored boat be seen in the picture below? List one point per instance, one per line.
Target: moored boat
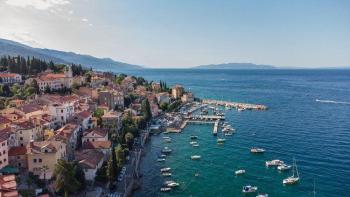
(239, 172)
(166, 174)
(160, 159)
(257, 150)
(274, 162)
(165, 189)
(195, 157)
(249, 189)
(284, 167)
(166, 150)
(165, 169)
(193, 137)
(262, 195)
(294, 178)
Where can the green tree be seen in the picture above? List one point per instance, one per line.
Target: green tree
(129, 139)
(111, 169)
(65, 177)
(146, 110)
(35, 85)
(164, 106)
(80, 176)
(120, 156)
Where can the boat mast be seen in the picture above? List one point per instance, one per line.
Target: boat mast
(296, 168)
(314, 189)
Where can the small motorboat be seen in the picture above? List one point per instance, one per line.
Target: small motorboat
(167, 140)
(195, 145)
(284, 167)
(165, 169)
(162, 156)
(228, 133)
(197, 174)
(160, 159)
(166, 174)
(195, 157)
(171, 184)
(221, 140)
(165, 189)
(166, 137)
(239, 172)
(257, 150)
(193, 142)
(166, 150)
(275, 162)
(249, 189)
(193, 137)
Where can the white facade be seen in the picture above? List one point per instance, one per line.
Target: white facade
(61, 112)
(4, 158)
(10, 78)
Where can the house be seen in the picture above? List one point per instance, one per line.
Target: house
(186, 98)
(112, 119)
(177, 91)
(112, 99)
(26, 131)
(90, 160)
(104, 146)
(69, 135)
(16, 102)
(163, 97)
(8, 134)
(18, 156)
(4, 160)
(156, 87)
(10, 78)
(95, 134)
(4, 122)
(85, 119)
(44, 153)
(29, 110)
(8, 186)
(55, 81)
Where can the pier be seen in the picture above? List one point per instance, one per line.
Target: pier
(205, 117)
(244, 106)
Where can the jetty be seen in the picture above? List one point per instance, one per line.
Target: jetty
(205, 117)
(244, 106)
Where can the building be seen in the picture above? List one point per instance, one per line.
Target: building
(104, 146)
(26, 131)
(112, 99)
(96, 134)
(16, 102)
(10, 78)
(4, 160)
(163, 97)
(4, 122)
(8, 186)
(44, 153)
(188, 97)
(55, 81)
(69, 135)
(156, 87)
(85, 119)
(18, 156)
(177, 91)
(90, 160)
(112, 119)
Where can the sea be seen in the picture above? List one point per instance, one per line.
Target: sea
(308, 119)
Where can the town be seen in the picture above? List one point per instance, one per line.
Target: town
(68, 130)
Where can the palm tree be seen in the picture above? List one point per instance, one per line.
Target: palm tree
(65, 177)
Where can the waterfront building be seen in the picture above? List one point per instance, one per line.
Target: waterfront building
(10, 78)
(44, 153)
(163, 97)
(177, 91)
(187, 98)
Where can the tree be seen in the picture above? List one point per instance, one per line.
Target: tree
(111, 169)
(65, 177)
(35, 85)
(80, 176)
(6, 90)
(129, 139)
(98, 114)
(164, 106)
(146, 110)
(120, 156)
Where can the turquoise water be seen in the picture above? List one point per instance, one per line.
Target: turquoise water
(308, 119)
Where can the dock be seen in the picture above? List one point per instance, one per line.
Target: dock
(205, 117)
(216, 126)
(244, 106)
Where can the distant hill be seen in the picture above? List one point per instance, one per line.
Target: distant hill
(12, 48)
(235, 66)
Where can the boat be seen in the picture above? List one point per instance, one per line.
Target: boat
(193, 142)
(239, 172)
(171, 184)
(193, 137)
(165, 169)
(195, 145)
(257, 150)
(275, 162)
(221, 140)
(166, 137)
(228, 134)
(166, 174)
(196, 174)
(249, 189)
(284, 167)
(167, 140)
(165, 189)
(160, 159)
(166, 150)
(195, 157)
(262, 195)
(162, 156)
(240, 109)
(294, 178)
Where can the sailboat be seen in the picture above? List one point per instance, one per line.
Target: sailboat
(294, 178)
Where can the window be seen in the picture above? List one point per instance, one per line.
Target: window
(34, 160)
(46, 151)
(4, 152)
(40, 160)
(21, 138)
(18, 157)
(61, 110)
(5, 160)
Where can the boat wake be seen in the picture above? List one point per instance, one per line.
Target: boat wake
(334, 102)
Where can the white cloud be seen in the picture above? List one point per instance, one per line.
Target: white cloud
(91, 25)
(37, 4)
(71, 12)
(23, 37)
(85, 20)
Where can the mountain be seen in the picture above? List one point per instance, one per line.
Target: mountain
(235, 66)
(12, 48)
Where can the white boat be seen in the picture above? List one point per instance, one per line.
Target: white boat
(167, 140)
(262, 195)
(172, 184)
(275, 162)
(195, 145)
(160, 159)
(162, 156)
(166, 174)
(195, 157)
(249, 189)
(257, 150)
(165, 169)
(228, 134)
(239, 172)
(294, 178)
(165, 137)
(166, 150)
(165, 189)
(221, 140)
(193, 142)
(240, 109)
(284, 167)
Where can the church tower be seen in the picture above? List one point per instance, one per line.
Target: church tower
(68, 72)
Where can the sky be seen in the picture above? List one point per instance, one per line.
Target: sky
(185, 33)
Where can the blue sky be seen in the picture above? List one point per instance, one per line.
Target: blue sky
(184, 33)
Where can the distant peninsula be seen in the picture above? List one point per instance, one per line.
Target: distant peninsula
(235, 66)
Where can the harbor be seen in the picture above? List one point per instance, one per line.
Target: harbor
(238, 106)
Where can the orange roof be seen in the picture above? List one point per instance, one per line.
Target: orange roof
(51, 76)
(8, 74)
(18, 150)
(97, 145)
